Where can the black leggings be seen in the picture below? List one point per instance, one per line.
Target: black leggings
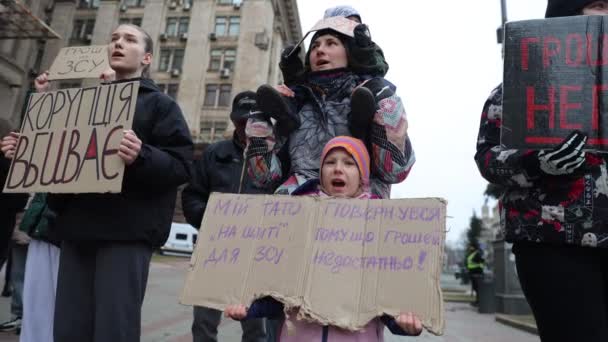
(567, 289)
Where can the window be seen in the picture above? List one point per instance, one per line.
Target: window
(224, 100)
(171, 59)
(134, 3)
(165, 60)
(210, 95)
(235, 24)
(170, 89)
(88, 3)
(181, 236)
(83, 29)
(171, 29)
(220, 26)
(229, 26)
(229, 59)
(178, 59)
(183, 25)
(133, 21)
(213, 130)
(217, 95)
(176, 26)
(215, 62)
(222, 59)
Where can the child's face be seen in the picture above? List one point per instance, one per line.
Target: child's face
(596, 8)
(340, 175)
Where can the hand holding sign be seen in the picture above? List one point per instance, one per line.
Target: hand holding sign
(9, 145)
(410, 323)
(566, 157)
(108, 75)
(42, 82)
(130, 145)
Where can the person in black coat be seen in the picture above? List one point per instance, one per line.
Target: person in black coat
(108, 239)
(221, 169)
(10, 205)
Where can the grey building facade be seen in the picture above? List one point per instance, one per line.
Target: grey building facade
(205, 51)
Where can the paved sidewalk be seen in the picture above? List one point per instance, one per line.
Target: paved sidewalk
(165, 320)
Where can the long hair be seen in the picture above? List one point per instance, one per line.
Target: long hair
(148, 47)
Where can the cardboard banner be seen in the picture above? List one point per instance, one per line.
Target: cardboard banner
(554, 82)
(80, 62)
(69, 140)
(339, 261)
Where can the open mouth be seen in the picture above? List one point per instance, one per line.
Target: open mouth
(322, 62)
(338, 183)
(117, 54)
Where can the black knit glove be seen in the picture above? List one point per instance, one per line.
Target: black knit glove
(363, 37)
(291, 65)
(566, 157)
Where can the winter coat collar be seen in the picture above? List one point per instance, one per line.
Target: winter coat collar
(145, 84)
(228, 154)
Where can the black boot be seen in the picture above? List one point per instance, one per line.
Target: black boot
(362, 110)
(270, 101)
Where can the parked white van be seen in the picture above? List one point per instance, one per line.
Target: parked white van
(181, 238)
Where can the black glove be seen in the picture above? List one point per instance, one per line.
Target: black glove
(566, 157)
(363, 37)
(379, 88)
(291, 65)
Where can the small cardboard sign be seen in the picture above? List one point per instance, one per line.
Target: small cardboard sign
(555, 82)
(341, 262)
(79, 62)
(69, 140)
(339, 24)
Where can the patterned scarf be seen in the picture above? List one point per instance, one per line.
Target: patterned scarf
(330, 82)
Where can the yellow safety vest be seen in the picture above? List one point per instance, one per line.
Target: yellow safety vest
(471, 265)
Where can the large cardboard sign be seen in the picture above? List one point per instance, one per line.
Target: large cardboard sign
(555, 82)
(69, 140)
(339, 261)
(80, 62)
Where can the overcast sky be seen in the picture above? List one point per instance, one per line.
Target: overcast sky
(445, 61)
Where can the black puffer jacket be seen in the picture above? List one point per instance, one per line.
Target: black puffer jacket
(144, 209)
(219, 170)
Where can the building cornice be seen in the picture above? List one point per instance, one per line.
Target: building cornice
(293, 17)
